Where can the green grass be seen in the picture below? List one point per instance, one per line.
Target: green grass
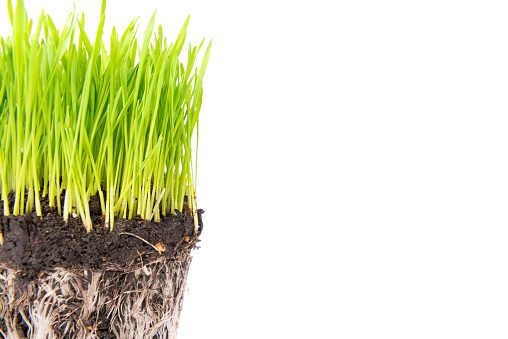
(79, 119)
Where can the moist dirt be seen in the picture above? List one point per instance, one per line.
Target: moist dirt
(34, 245)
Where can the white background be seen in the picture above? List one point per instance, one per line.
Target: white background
(353, 165)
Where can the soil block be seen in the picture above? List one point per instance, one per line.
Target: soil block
(58, 281)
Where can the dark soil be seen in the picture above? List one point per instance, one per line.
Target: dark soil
(33, 244)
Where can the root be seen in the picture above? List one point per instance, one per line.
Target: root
(158, 249)
(143, 302)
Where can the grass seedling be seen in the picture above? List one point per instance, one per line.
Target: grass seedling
(79, 119)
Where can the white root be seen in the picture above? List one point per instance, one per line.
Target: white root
(145, 241)
(70, 303)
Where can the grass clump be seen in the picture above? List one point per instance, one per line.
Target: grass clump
(77, 120)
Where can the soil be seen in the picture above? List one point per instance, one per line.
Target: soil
(35, 244)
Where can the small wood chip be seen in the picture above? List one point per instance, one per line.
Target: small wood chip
(161, 247)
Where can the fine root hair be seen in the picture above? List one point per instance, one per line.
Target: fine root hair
(137, 303)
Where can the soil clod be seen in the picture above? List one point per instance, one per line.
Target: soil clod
(32, 244)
